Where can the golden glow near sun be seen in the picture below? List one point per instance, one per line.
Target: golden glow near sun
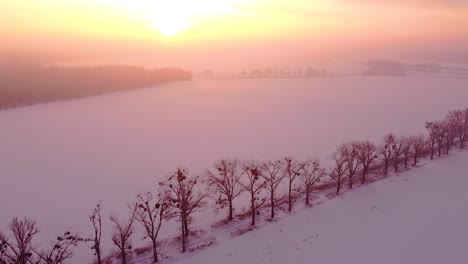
(169, 27)
(175, 16)
(198, 22)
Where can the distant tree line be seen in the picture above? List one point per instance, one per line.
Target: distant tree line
(22, 85)
(282, 73)
(267, 184)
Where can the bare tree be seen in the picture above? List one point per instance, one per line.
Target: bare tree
(185, 199)
(406, 150)
(225, 181)
(387, 151)
(150, 213)
(433, 130)
(367, 154)
(339, 170)
(438, 135)
(310, 175)
(253, 184)
(3, 250)
(417, 143)
(464, 126)
(60, 250)
(459, 123)
(273, 174)
(292, 169)
(19, 249)
(450, 134)
(96, 220)
(441, 136)
(397, 148)
(123, 232)
(349, 153)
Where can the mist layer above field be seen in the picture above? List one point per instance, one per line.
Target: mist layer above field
(73, 154)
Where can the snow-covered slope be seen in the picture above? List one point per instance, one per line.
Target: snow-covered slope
(417, 217)
(73, 154)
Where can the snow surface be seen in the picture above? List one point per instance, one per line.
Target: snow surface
(58, 160)
(416, 217)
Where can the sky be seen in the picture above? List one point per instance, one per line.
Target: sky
(189, 31)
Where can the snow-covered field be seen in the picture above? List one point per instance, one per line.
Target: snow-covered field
(58, 160)
(419, 216)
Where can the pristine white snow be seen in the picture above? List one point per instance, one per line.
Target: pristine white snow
(58, 160)
(416, 217)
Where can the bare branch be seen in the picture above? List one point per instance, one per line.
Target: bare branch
(225, 181)
(253, 184)
(311, 174)
(122, 234)
(273, 173)
(184, 199)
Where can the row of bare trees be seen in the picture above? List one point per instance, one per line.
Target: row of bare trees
(177, 199)
(265, 184)
(19, 248)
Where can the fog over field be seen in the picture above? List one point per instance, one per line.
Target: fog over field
(69, 155)
(227, 120)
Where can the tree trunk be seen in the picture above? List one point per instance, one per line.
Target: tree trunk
(289, 198)
(386, 167)
(272, 200)
(432, 152)
(155, 252)
(186, 226)
(22, 259)
(406, 162)
(230, 210)
(338, 187)
(440, 150)
(307, 195)
(124, 256)
(350, 181)
(415, 158)
(98, 254)
(252, 205)
(364, 174)
(183, 235)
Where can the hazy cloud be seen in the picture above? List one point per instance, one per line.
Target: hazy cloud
(412, 3)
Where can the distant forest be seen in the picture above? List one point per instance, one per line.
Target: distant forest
(22, 85)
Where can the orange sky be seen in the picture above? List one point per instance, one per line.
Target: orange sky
(195, 28)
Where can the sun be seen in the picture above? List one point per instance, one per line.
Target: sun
(173, 17)
(169, 17)
(170, 26)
